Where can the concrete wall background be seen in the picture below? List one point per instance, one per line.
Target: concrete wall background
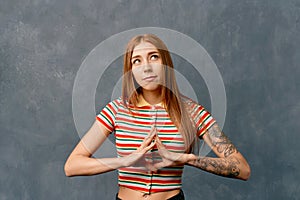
(255, 45)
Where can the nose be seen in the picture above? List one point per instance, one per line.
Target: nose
(147, 67)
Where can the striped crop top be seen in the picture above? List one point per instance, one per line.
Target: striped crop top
(131, 127)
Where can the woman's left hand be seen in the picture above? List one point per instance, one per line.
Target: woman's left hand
(168, 158)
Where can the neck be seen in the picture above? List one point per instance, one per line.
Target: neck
(152, 97)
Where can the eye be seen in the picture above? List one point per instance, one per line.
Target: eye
(154, 57)
(136, 61)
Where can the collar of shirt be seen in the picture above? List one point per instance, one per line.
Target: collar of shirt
(142, 102)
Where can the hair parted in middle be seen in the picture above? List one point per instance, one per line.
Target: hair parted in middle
(171, 97)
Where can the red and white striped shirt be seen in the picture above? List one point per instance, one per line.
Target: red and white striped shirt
(132, 126)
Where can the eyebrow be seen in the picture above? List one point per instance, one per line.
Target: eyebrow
(151, 52)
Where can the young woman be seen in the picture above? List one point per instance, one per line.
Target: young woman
(156, 129)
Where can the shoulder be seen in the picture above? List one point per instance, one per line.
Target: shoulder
(114, 104)
(117, 102)
(192, 106)
(189, 102)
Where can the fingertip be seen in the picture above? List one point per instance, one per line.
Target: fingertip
(157, 167)
(152, 126)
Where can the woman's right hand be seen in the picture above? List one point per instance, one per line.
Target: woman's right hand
(135, 157)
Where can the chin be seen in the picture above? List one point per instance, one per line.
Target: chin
(151, 87)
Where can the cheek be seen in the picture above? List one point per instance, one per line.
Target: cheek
(136, 74)
(159, 70)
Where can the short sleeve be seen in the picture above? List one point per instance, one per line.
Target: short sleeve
(201, 117)
(107, 116)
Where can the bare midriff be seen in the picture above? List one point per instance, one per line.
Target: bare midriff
(126, 193)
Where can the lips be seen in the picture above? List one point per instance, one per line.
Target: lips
(149, 78)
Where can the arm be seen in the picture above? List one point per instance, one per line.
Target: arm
(80, 161)
(230, 162)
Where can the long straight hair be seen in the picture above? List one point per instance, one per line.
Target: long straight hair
(171, 97)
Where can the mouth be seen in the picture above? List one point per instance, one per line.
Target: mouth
(149, 78)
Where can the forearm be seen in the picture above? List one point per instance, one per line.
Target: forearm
(229, 163)
(85, 166)
(228, 167)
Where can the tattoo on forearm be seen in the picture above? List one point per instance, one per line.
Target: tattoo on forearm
(221, 166)
(221, 141)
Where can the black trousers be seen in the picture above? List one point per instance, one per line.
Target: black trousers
(179, 196)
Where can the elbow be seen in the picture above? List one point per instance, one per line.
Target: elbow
(246, 172)
(68, 169)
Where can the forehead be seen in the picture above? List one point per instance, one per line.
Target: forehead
(143, 47)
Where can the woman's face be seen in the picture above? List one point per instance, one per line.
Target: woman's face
(147, 66)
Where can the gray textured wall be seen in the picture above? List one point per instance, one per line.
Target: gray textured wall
(255, 45)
